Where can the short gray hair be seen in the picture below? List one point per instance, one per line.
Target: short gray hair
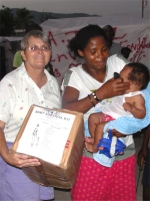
(37, 34)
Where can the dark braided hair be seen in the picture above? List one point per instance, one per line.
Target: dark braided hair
(83, 36)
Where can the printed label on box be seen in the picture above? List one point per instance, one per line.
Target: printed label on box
(46, 134)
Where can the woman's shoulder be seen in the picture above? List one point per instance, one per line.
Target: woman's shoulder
(116, 62)
(118, 58)
(74, 77)
(15, 76)
(122, 58)
(74, 71)
(11, 76)
(52, 81)
(76, 68)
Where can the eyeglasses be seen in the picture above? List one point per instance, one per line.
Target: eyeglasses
(35, 48)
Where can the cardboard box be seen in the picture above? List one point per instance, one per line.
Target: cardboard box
(64, 174)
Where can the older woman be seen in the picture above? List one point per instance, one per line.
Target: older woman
(86, 89)
(29, 84)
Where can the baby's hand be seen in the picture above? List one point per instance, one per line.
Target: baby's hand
(127, 106)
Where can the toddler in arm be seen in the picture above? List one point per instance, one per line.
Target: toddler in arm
(130, 104)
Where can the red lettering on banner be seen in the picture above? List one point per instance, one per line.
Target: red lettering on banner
(148, 45)
(72, 56)
(52, 60)
(50, 35)
(139, 48)
(71, 32)
(57, 73)
(138, 56)
(118, 37)
(121, 43)
(62, 55)
(140, 45)
(59, 57)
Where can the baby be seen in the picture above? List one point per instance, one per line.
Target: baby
(130, 104)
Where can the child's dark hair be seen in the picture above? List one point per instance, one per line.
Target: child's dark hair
(139, 74)
(83, 36)
(125, 49)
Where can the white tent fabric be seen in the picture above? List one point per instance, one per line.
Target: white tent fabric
(115, 20)
(130, 31)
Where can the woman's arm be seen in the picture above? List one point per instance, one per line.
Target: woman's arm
(136, 106)
(143, 150)
(70, 101)
(3, 147)
(109, 89)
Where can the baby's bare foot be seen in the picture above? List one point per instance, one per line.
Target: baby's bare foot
(91, 147)
(100, 148)
(89, 140)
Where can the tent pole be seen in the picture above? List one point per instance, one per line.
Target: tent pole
(142, 8)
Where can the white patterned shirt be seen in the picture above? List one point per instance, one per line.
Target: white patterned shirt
(18, 92)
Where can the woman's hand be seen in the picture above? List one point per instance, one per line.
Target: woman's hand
(143, 151)
(111, 88)
(127, 106)
(13, 158)
(141, 155)
(20, 160)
